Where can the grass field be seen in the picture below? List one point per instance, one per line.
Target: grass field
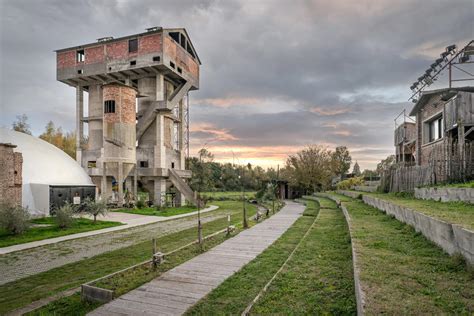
(469, 184)
(153, 211)
(319, 278)
(22, 292)
(402, 272)
(52, 230)
(453, 212)
(228, 196)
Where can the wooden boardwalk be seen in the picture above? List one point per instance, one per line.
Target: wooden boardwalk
(180, 288)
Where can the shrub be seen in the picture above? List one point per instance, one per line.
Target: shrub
(349, 183)
(95, 208)
(14, 219)
(63, 216)
(140, 203)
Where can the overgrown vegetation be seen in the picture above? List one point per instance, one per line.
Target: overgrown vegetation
(95, 207)
(63, 216)
(402, 272)
(14, 219)
(349, 183)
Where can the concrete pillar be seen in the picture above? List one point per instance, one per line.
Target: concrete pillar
(79, 122)
(135, 184)
(104, 182)
(159, 191)
(160, 87)
(96, 115)
(120, 184)
(181, 131)
(160, 153)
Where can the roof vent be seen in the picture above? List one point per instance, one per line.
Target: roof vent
(105, 39)
(154, 28)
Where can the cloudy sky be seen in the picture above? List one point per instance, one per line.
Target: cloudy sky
(275, 75)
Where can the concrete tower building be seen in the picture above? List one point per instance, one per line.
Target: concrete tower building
(137, 122)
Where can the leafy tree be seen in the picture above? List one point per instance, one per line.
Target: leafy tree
(341, 160)
(21, 124)
(356, 170)
(369, 173)
(310, 168)
(64, 141)
(95, 208)
(385, 164)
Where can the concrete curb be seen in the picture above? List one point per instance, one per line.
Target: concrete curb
(359, 292)
(352, 194)
(49, 241)
(446, 194)
(451, 238)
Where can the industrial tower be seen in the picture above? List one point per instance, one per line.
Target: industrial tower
(137, 111)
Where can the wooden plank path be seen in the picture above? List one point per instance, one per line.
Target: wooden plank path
(176, 290)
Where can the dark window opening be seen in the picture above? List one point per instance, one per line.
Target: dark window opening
(175, 36)
(172, 64)
(110, 68)
(80, 56)
(190, 51)
(80, 71)
(91, 164)
(180, 70)
(133, 45)
(133, 63)
(156, 58)
(183, 41)
(109, 106)
(435, 129)
(172, 165)
(15, 172)
(144, 164)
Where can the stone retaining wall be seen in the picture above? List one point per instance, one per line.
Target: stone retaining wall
(352, 194)
(365, 188)
(451, 238)
(445, 194)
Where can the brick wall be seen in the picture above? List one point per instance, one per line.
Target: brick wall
(94, 54)
(66, 59)
(125, 100)
(149, 44)
(10, 175)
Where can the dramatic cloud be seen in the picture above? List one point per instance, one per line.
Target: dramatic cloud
(275, 75)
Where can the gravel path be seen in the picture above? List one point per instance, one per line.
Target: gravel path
(20, 264)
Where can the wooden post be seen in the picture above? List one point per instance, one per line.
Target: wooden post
(154, 252)
(228, 224)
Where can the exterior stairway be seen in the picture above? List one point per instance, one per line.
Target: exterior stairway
(182, 187)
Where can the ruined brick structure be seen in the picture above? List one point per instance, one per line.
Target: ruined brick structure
(137, 111)
(10, 175)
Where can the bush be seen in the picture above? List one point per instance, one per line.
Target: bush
(140, 203)
(349, 183)
(14, 219)
(63, 216)
(95, 208)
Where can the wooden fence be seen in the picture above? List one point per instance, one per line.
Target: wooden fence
(448, 162)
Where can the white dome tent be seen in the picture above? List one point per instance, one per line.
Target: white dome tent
(47, 171)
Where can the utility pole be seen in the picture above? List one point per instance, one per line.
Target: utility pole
(246, 225)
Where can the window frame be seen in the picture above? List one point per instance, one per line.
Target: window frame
(133, 48)
(109, 106)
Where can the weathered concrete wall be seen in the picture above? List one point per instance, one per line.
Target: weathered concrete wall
(10, 175)
(445, 194)
(450, 237)
(359, 292)
(365, 188)
(352, 194)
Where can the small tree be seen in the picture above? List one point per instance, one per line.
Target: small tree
(63, 215)
(356, 170)
(21, 124)
(95, 208)
(14, 219)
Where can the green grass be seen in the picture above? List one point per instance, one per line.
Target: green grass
(323, 202)
(469, 184)
(79, 225)
(234, 294)
(318, 279)
(312, 208)
(228, 196)
(153, 211)
(402, 272)
(452, 212)
(24, 291)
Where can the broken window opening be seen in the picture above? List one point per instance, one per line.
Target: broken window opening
(80, 71)
(175, 36)
(180, 70)
(156, 58)
(109, 106)
(80, 56)
(172, 64)
(133, 63)
(144, 164)
(133, 45)
(172, 165)
(91, 164)
(183, 41)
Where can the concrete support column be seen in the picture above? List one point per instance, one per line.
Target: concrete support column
(181, 131)
(120, 184)
(160, 87)
(160, 153)
(103, 183)
(159, 191)
(79, 122)
(135, 184)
